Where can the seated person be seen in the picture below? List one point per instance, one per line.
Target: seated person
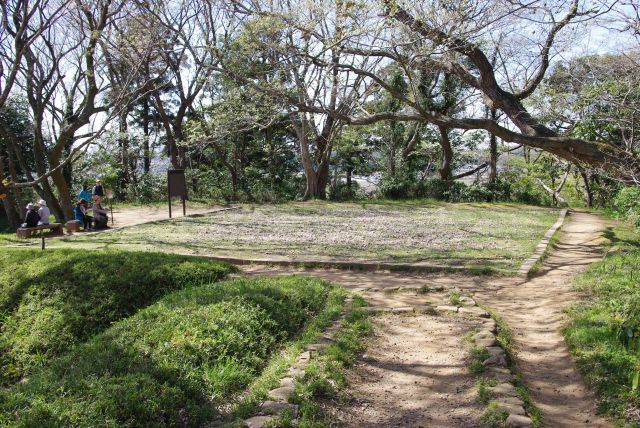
(32, 218)
(87, 218)
(79, 215)
(43, 212)
(100, 218)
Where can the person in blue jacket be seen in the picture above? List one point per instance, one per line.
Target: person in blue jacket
(78, 214)
(84, 193)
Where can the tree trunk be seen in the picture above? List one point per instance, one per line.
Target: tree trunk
(8, 201)
(234, 183)
(13, 174)
(316, 183)
(145, 131)
(46, 192)
(493, 148)
(65, 204)
(349, 172)
(587, 188)
(123, 141)
(447, 154)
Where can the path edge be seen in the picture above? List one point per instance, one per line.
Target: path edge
(543, 245)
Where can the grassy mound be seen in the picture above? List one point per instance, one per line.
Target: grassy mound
(171, 363)
(51, 300)
(604, 334)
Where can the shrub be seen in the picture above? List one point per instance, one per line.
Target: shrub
(54, 299)
(396, 188)
(172, 363)
(149, 188)
(627, 204)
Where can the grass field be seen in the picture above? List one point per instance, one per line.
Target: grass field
(604, 332)
(497, 236)
(52, 300)
(121, 338)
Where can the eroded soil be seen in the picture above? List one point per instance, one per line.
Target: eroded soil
(413, 375)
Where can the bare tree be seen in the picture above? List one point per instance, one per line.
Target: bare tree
(295, 56)
(63, 78)
(187, 33)
(454, 38)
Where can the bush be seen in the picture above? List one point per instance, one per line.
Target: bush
(172, 363)
(627, 204)
(396, 188)
(52, 300)
(149, 188)
(342, 192)
(446, 190)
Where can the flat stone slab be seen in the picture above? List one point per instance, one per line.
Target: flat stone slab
(495, 360)
(314, 347)
(294, 372)
(446, 308)
(475, 311)
(467, 301)
(281, 394)
(275, 407)
(518, 421)
(486, 342)
(503, 389)
(258, 421)
(402, 310)
(490, 325)
(287, 381)
(304, 356)
(424, 309)
(497, 374)
(496, 350)
(483, 334)
(514, 401)
(513, 409)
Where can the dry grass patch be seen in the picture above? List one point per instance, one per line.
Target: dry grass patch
(496, 236)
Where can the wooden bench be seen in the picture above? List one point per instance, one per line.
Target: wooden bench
(26, 232)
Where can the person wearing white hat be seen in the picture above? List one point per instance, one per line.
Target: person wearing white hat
(43, 212)
(32, 217)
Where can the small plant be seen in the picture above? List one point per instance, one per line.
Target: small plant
(324, 377)
(454, 297)
(484, 389)
(425, 289)
(494, 416)
(478, 356)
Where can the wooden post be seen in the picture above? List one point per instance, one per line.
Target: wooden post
(184, 206)
(110, 197)
(42, 237)
(169, 190)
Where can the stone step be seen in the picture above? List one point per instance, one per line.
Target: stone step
(258, 421)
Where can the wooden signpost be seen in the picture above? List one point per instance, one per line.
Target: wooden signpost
(177, 186)
(109, 194)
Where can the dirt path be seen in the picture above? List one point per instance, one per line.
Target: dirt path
(413, 375)
(533, 309)
(138, 215)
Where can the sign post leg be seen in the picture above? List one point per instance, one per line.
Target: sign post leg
(184, 206)
(169, 206)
